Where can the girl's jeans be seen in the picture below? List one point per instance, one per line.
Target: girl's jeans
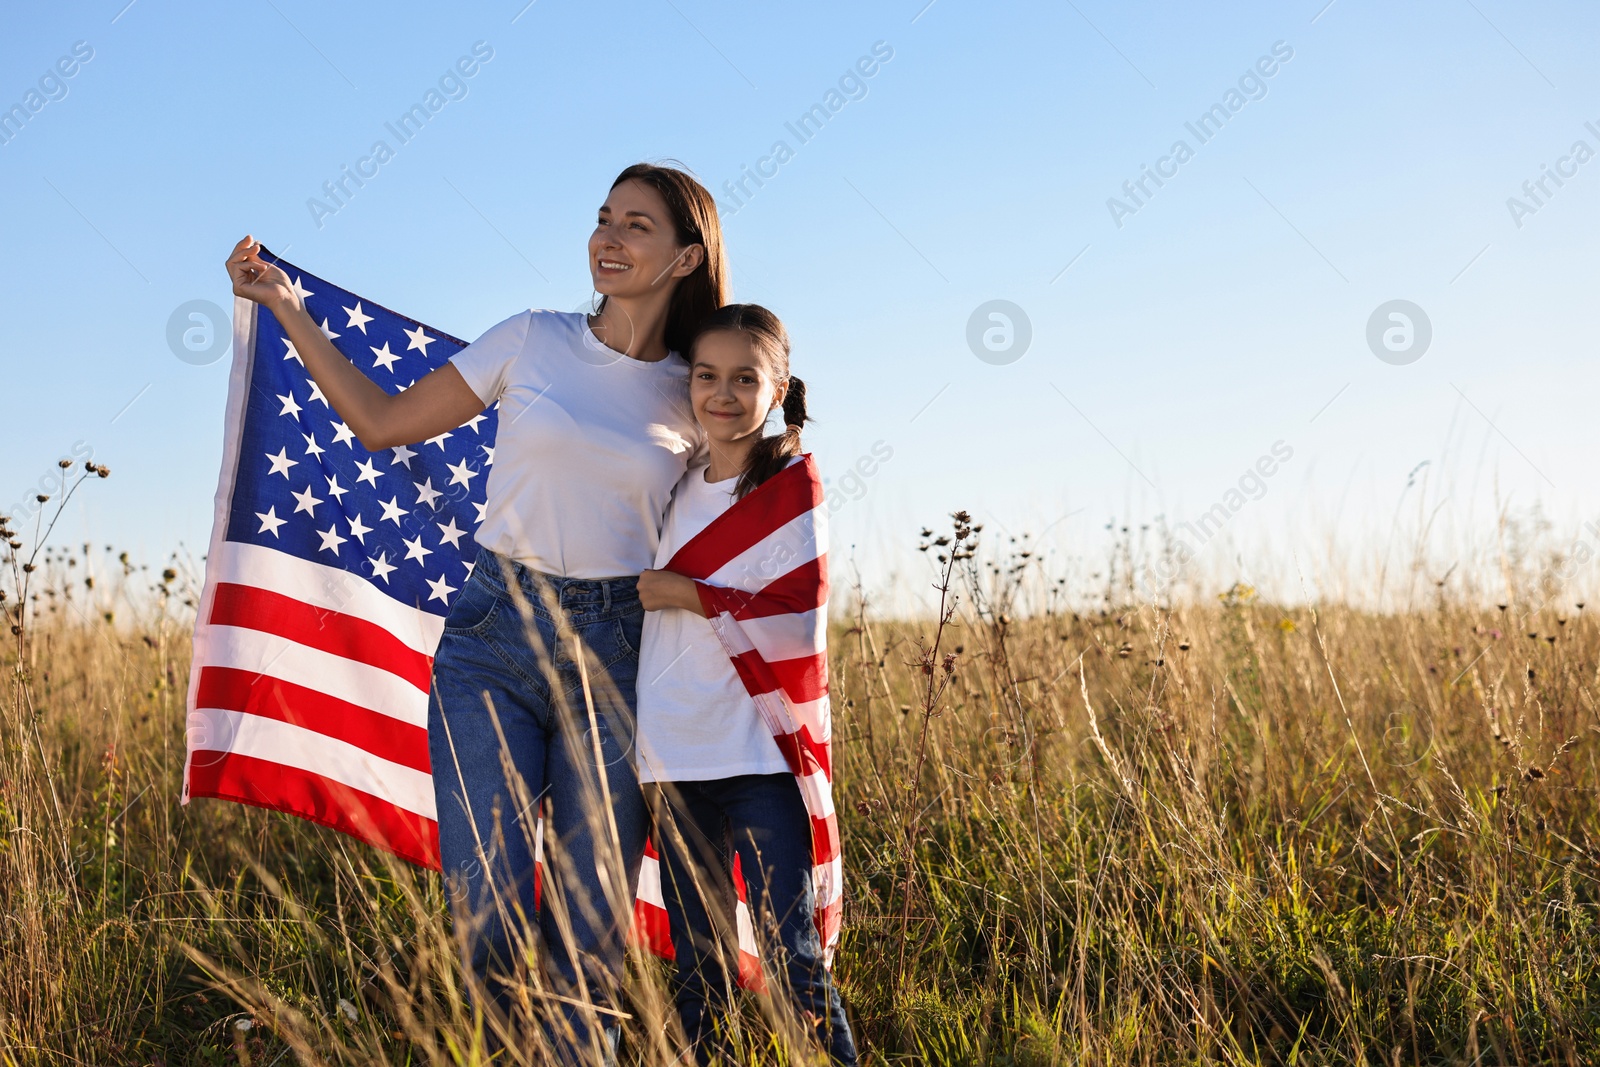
(763, 818)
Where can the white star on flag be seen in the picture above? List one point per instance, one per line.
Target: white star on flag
(381, 567)
(327, 331)
(441, 591)
(312, 448)
(359, 529)
(369, 472)
(281, 462)
(461, 474)
(440, 440)
(306, 502)
(357, 318)
(331, 539)
(402, 454)
(415, 549)
(386, 359)
(392, 510)
(300, 290)
(419, 341)
(342, 434)
(427, 494)
(293, 353)
(335, 490)
(270, 521)
(449, 533)
(289, 406)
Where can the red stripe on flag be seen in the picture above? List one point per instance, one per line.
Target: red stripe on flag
(824, 840)
(265, 784)
(750, 974)
(802, 680)
(231, 689)
(785, 496)
(327, 631)
(829, 918)
(653, 930)
(805, 754)
(801, 590)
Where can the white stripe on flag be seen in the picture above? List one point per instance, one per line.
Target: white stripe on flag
(800, 540)
(732, 635)
(321, 586)
(240, 733)
(783, 716)
(347, 679)
(793, 636)
(650, 882)
(818, 795)
(812, 715)
(747, 930)
(827, 882)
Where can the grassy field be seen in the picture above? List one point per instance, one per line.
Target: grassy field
(1221, 833)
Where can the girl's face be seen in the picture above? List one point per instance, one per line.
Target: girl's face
(634, 249)
(731, 386)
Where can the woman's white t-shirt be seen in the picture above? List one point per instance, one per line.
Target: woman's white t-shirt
(589, 446)
(696, 720)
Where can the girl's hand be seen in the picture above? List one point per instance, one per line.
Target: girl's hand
(256, 279)
(665, 589)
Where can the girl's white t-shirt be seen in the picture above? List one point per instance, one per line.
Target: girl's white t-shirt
(589, 446)
(696, 720)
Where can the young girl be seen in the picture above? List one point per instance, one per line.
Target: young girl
(739, 757)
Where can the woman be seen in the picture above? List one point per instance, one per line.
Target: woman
(595, 430)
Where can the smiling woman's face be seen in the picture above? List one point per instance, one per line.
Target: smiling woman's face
(634, 249)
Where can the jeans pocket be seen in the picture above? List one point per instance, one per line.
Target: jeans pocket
(474, 609)
(630, 632)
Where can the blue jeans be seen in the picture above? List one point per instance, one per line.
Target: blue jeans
(504, 671)
(762, 818)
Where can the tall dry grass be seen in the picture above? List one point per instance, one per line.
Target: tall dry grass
(1124, 834)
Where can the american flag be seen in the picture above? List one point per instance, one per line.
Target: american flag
(327, 581)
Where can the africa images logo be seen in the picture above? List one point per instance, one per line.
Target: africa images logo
(1399, 332)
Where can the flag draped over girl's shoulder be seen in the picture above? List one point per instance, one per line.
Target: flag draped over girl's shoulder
(762, 574)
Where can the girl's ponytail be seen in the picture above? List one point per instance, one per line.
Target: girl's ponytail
(772, 453)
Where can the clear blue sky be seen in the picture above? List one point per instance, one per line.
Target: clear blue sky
(1223, 314)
